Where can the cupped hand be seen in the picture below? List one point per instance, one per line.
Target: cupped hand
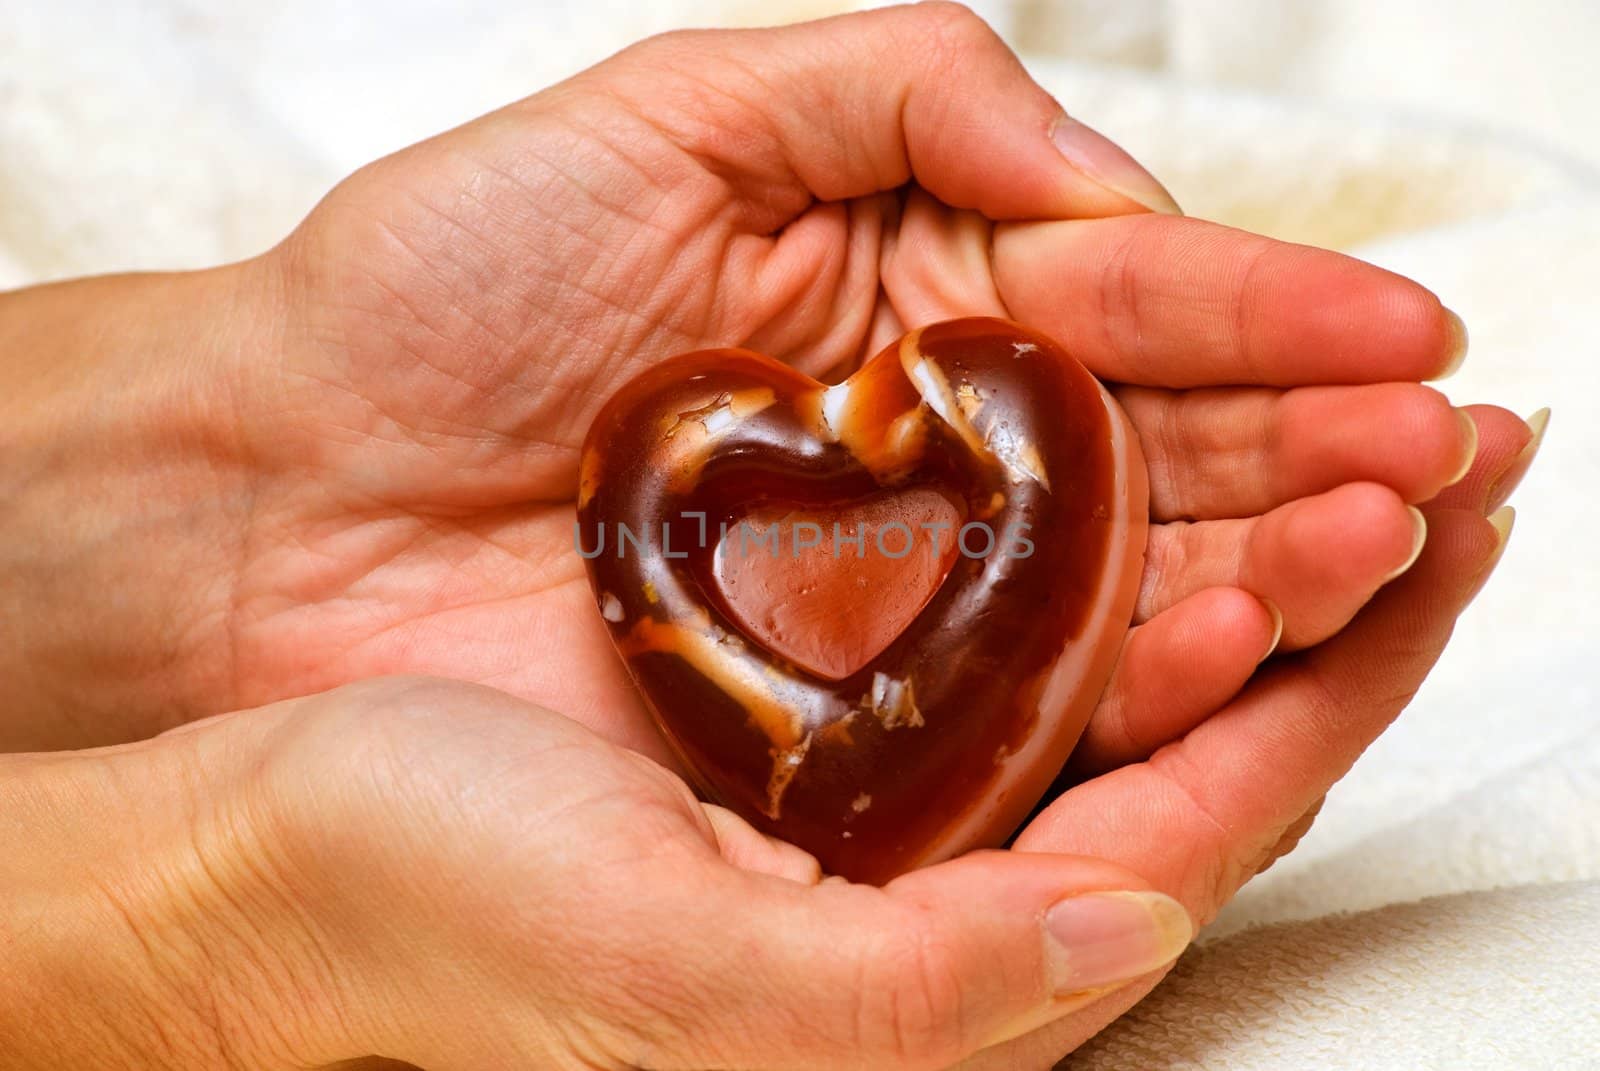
(444, 874)
(448, 321)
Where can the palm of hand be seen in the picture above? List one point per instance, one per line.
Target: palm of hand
(443, 428)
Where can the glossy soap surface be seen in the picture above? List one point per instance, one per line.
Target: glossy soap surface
(871, 618)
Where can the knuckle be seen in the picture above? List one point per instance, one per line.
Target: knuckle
(1289, 841)
(947, 36)
(704, 90)
(1247, 301)
(1174, 440)
(1167, 561)
(1214, 861)
(667, 45)
(1116, 299)
(954, 26)
(911, 1015)
(1121, 731)
(1151, 411)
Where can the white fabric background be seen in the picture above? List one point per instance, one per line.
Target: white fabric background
(1456, 142)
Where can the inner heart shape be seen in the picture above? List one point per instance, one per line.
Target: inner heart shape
(872, 618)
(830, 589)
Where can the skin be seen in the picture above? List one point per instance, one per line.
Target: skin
(356, 456)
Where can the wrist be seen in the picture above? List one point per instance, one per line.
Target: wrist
(124, 498)
(144, 924)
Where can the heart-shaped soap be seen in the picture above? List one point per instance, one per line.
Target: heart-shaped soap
(872, 618)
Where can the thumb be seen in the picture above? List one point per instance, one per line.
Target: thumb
(862, 103)
(920, 973)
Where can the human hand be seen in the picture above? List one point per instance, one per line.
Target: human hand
(443, 874)
(384, 414)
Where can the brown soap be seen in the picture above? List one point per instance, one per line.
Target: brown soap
(872, 618)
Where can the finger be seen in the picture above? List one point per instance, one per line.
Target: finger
(937, 267)
(1231, 788)
(920, 973)
(1172, 302)
(1507, 448)
(1175, 671)
(862, 103)
(1318, 559)
(744, 846)
(1237, 452)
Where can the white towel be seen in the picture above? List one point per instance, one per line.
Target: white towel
(1501, 978)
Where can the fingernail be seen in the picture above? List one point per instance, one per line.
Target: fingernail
(1508, 480)
(1097, 943)
(1469, 431)
(1419, 526)
(1458, 345)
(1277, 627)
(1110, 937)
(1103, 161)
(1503, 520)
